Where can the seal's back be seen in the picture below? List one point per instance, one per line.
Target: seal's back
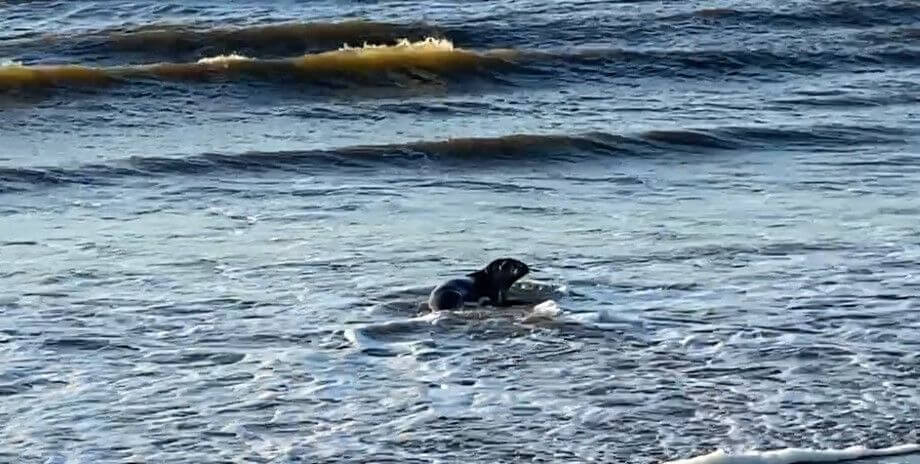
(452, 294)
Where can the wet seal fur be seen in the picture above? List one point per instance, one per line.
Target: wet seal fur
(491, 282)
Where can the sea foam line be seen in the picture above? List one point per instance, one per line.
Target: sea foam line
(798, 455)
(224, 58)
(428, 43)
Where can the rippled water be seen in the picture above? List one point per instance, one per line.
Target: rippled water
(217, 224)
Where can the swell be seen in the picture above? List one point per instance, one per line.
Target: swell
(512, 148)
(438, 61)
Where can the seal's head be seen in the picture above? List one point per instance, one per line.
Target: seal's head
(502, 273)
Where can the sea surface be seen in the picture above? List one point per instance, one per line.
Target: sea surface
(218, 221)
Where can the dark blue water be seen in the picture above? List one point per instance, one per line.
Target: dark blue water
(217, 223)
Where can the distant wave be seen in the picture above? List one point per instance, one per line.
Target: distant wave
(435, 60)
(799, 455)
(841, 13)
(540, 148)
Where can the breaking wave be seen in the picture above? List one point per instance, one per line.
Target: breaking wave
(433, 55)
(438, 60)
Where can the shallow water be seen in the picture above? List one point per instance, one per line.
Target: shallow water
(218, 223)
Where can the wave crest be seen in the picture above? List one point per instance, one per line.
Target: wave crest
(426, 44)
(432, 55)
(223, 59)
(433, 60)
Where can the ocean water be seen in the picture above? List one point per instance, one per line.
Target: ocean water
(218, 220)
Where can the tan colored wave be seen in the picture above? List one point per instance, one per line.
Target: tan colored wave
(15, 75)
(433, 55)
(430, 54)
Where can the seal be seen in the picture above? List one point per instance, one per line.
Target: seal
(491, 282)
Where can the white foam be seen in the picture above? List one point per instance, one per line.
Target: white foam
(606, 319)
(798, 455)
(9, 63)
(432, 317)
(223, 59)
(548, 309)
(429, 43)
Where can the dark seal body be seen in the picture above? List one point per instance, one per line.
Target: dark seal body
(492, 283)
